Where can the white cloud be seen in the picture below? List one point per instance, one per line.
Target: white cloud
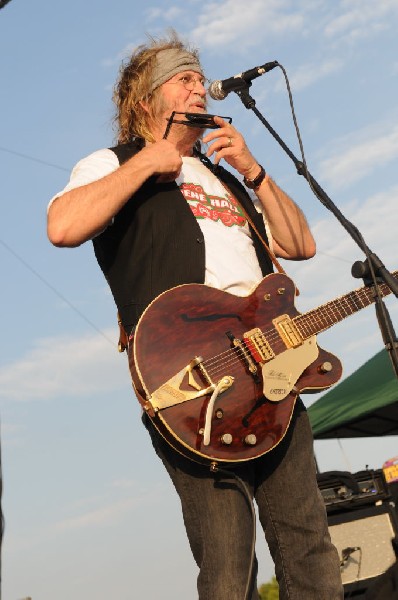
(171, 14)
(359, 155)
(97, 517)
(239, 24)
(91, 512)
(220, 24)
(307, 74)
(56, 366)
(109, 512)
(361, 18)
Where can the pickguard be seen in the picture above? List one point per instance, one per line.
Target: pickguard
(282, 372)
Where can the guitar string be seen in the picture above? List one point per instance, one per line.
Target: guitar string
(271, 335)
(354, 301)
(334, 309)
(331, 314)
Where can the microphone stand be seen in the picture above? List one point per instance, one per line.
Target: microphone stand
(371, 270)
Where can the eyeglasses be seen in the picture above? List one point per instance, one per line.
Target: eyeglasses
(189, 82)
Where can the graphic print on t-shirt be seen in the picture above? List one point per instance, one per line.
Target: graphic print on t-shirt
(216, 208)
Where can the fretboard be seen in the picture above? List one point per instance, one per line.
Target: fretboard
(325, 316)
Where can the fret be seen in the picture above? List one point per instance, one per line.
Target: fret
(322, 318)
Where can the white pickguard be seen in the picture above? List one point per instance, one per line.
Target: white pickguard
(282, 372)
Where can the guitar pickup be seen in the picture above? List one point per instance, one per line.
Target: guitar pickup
(288, 331)
(257, 344)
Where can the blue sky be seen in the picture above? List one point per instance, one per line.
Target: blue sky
(89, 511)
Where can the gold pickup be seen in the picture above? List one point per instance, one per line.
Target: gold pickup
(288, 331)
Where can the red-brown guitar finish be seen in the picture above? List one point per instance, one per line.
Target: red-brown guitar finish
(193, 320)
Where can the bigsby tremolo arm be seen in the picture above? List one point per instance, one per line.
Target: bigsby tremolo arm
(170, 393)
(222, 385)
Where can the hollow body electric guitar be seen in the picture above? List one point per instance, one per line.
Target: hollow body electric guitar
(219, 374)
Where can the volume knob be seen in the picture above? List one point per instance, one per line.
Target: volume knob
(251, 439)
(226, 439)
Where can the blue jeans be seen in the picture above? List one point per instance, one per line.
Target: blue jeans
(292, 513)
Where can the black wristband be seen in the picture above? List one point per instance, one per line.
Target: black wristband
(253, 184)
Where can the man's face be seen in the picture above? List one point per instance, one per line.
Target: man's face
(185, 92)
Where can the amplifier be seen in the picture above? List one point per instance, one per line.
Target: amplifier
(341, 489)
(364, 542)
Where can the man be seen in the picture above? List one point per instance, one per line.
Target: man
(138, 203)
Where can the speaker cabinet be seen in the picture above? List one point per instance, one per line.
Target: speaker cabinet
(364, 541)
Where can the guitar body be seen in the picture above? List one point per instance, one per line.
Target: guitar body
(194, 320)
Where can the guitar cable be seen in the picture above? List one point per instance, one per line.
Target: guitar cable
(216, 469)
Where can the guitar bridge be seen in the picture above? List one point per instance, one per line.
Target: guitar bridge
(258, 345)
(244, 354)
(171, 392)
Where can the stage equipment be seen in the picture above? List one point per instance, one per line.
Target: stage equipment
(341, 489)
(364, 541)
(363, 526)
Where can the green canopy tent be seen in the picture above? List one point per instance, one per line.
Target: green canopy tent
(365, 404)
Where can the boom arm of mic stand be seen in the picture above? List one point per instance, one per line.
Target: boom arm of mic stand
(372, 266)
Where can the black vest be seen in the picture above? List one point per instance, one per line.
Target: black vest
(155, 242)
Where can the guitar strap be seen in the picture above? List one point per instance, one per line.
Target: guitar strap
(123, 337)
(272, 256)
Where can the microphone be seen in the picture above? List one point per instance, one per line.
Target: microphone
(219, 89)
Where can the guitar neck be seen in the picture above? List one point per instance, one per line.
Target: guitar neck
(325, 316)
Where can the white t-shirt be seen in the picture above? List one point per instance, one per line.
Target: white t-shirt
(231, 261)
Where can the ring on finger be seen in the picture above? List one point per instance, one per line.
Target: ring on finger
(229, 142)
